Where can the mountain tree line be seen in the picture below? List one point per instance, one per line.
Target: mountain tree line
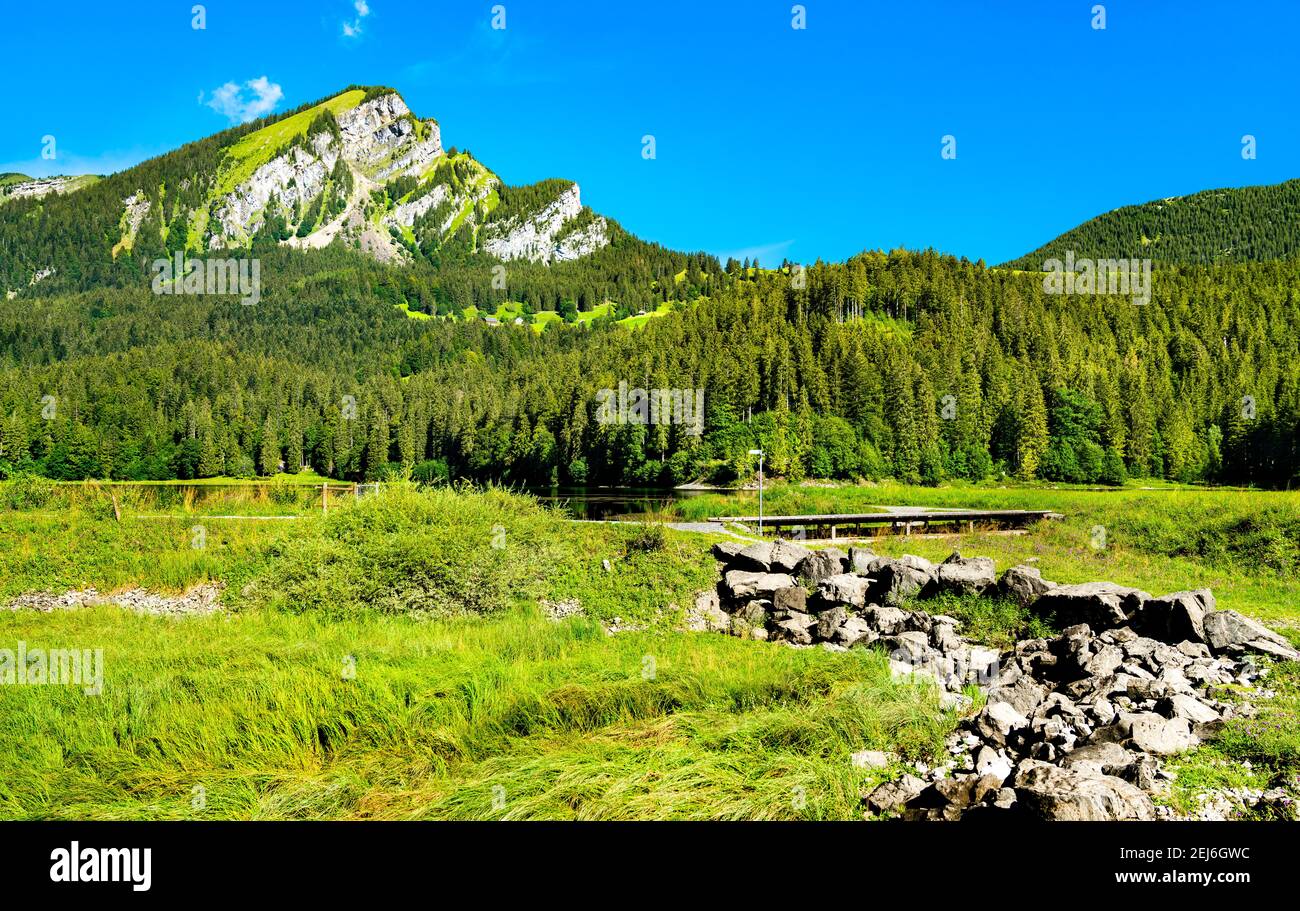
(910, 365)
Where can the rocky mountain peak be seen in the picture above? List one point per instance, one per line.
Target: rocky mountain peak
(362, 168)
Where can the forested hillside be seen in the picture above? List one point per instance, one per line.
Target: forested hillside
(1235, 225)
(377, 248)
(912, 365)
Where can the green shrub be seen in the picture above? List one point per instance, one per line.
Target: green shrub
(648, 538)
(431, 471)
(283, 493)
(1273, 736)
(996, 621)
(422, 552)
(26, 491)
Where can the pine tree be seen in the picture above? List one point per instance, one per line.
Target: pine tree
(292, 442)
(1031, 432)
(268, 454)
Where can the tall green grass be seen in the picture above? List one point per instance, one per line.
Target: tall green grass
(268, 715)
(420, 552)
(72, 549)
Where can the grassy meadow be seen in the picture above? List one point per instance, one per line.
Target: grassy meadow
(391, 659)
(276, 716)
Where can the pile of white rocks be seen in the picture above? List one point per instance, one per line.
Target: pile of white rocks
(200, 600)
(1072, 728)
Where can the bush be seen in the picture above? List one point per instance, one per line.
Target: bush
(578, 471)
(431, 471)
(1112, 469)
(283, 493)
(423, 552)
(648, 538)
(26, 491)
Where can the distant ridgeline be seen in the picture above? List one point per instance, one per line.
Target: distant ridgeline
(911, 364)
(1249, 224)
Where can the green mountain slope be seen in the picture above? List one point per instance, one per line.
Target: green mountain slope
(1246, 224)
(910, 365)
(358, 169)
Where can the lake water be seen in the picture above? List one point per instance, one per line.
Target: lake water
(608, 503)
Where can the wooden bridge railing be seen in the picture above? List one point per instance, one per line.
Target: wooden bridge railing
(834, 526)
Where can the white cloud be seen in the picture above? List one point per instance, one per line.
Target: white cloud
(240, 106)
(353, 29)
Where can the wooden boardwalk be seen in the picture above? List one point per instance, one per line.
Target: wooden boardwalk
(905, 521)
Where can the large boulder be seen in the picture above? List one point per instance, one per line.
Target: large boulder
(822, 564)
(891, 795)
(726, 550)
(997, 720)
(1101, 605)
(944, 637)
(894, 582)
(1228, 631)
(742, 584)
(785, 556)
(829, 622)
(752, 615)
(983, 666)
(887, 621)
(964, 576)
(916, 562)
(845, 588)
(1024, 585)
(853, 631)
(1078, 794)
(1103, 758)
(791, 598)
(1178, 617)
(860, 560)
(1184, 705)
(798, 628)
(1024, 695)
(911, 648)
(997, 763)
(1150, 733)
(756, 557)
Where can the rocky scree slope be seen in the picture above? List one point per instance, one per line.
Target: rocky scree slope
(1072, 728)
(20, 186)
(382, 179)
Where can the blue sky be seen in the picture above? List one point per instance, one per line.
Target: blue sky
(770, 141)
